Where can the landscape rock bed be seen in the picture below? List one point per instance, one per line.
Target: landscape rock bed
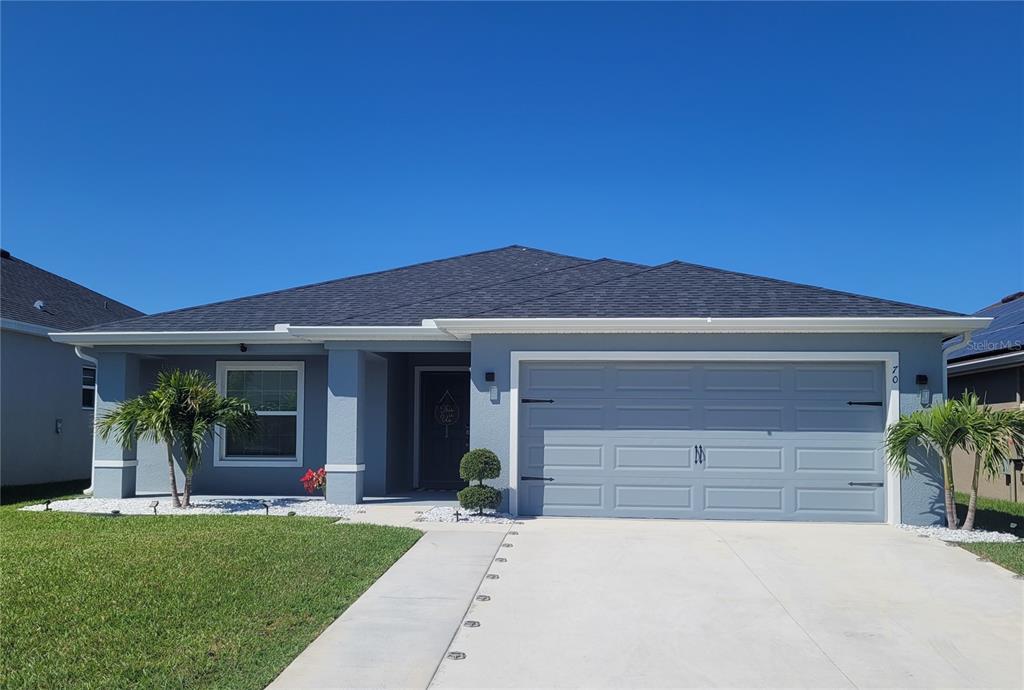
(959, 535)
(203, 505)
(448, 514)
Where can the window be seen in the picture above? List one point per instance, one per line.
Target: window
(274, 389)
(88, 388)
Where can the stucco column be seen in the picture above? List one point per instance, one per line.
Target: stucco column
(117, 379)
(346, 405)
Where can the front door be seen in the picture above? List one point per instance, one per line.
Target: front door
(444, 428)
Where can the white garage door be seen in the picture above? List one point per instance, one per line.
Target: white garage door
(760, 441)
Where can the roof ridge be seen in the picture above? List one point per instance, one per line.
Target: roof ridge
(10, 257)
(579, 287)
(783, 281)
(584, 262)
(336, 280)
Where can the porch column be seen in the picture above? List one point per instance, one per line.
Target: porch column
(113, 467)
(346, 406)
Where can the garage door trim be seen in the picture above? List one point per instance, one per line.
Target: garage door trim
(890, 360)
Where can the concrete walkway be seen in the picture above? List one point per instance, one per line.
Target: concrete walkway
(396, 633)
(651, 603)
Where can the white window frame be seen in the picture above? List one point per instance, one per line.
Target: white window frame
(220, 447)
(89, 388)
(891, 375)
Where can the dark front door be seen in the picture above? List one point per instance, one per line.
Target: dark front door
(444, 427)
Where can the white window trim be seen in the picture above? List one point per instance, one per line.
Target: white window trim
(90, 388)
(219, 447)
(891, 374)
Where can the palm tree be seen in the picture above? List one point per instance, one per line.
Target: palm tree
(942, 428)
(991, 434)
(182, 412)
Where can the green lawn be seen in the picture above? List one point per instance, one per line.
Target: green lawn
(1000, 516)
(174, 602)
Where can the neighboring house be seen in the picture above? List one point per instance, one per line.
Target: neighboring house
(607, 388)
(992, 365)
(46, 390)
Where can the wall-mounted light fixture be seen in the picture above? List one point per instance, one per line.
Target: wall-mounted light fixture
(926, 395)
(242, 347)
(493, 388)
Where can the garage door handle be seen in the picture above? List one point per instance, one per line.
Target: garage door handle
(875, 484)
(870, 403)
(536, 400)
(537, 479)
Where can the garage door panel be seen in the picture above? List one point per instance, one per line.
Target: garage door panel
(840, 417)
(838, 501)
(743, 379)
(652, 380)
(651, 417)
(653, 457)
(836, 380)
(742, 418)
(562, 379)
(843, 460)
(763, 500)
(725, 459)
(776, 442)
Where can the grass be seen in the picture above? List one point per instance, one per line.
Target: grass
(1000, 516)
(174, 602)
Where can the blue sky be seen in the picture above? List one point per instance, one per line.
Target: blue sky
(174, 154)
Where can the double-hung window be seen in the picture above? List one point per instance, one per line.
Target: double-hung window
(274, 389)
(88, 388)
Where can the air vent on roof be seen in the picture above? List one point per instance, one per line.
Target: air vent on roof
(40, 305)
(1010, 298)
(5, 254)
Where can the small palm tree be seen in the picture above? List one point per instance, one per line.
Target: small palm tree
(942, 428)
(991, 436)
(182, 412)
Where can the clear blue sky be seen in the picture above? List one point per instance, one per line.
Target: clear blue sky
(174, 154)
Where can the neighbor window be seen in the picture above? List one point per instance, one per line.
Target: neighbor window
(274, 389)
(88, 387)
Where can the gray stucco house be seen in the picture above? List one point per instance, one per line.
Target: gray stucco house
(46, 390)
(607, 388)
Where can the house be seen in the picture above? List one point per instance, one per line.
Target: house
(607, 388)
(47, 391)
(991, 364)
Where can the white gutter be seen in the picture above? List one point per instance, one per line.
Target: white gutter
(172, 337)
(24, 327)
(325, 333)
(463, 329)
(946, 325)
(92, 468)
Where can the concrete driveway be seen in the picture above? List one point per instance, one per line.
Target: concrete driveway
(647, 603)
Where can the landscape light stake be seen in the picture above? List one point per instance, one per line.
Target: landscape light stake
(266, 506)
(47, 507)
(153, 505)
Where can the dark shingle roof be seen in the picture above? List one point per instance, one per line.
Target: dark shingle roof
(1004, 334)
(64, 305)
(522, 282)
(678, 289)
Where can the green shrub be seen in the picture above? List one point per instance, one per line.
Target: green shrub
(480, 497)
(479, 464)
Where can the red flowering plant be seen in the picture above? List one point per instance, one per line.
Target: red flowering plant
(314, 481)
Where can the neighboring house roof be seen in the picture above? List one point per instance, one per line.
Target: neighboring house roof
(31, 295)
(1004, 334)
(521, 282)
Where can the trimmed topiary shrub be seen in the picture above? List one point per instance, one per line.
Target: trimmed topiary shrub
(479, 464)
(480, 497)
(476, 466)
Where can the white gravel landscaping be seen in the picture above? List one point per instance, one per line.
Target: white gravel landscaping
(448, 514)
(203, 505)
(959, 535)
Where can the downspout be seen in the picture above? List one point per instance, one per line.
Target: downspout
(92, 467)
(945, 362)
